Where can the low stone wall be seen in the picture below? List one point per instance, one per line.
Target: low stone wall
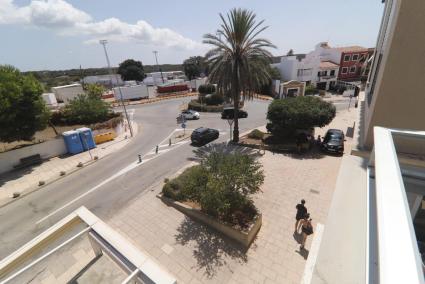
(242, 237)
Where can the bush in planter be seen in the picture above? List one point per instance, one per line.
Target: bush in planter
(196, 105)
(288, 115)
(186, 185)
(206, 89)
(214, 99)
(221, 185)
(256, 134)
(232, 179)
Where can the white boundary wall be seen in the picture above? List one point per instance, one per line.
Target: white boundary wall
(46, 150)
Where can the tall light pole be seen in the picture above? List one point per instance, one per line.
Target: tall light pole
(157, 65)
(104, 42)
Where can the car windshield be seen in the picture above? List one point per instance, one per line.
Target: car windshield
(333, 137)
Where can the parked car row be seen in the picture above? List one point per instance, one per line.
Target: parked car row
(204, 135)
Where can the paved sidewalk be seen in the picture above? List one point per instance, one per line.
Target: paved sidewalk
(27, 180)
(194, 253)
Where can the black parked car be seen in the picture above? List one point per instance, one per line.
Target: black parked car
(334, 141)
(203, 135)
(229, 113)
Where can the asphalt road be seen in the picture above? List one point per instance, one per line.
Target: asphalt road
(96, 186)
(27, 217)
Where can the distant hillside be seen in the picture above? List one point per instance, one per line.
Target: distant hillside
(65, 77)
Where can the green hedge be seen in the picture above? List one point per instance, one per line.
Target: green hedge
(256, 134)
(206, 89)
(211, 100)
(195, 105)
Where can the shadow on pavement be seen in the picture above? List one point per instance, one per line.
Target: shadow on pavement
(16, 174)
(303, 252)
(314, 153)
(211, 249)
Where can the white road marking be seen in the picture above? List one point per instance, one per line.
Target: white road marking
(128, 168)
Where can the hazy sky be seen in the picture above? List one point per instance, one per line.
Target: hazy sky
(59, 34)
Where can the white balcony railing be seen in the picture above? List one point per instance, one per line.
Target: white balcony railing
(392, 251)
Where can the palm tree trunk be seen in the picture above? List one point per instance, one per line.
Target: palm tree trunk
(236, 119)
(236, 98)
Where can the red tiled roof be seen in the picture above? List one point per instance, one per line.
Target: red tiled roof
(328, 65)
(351, 48)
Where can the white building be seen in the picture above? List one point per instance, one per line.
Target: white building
(104, 80)
(319, 67)
(68, 92)
(134, 92)
(159, 78)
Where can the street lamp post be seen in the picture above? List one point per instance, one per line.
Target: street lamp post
(157, 65)
(104, 42)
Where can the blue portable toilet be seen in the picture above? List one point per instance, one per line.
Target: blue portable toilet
(86, 137)
(73, 142)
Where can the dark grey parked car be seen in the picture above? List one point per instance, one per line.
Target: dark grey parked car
(333, 141)
(203, 135)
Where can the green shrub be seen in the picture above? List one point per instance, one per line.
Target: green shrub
(221, 185)
(195, 105)
(84, 109)
(288, 115)
(186, 185)
(310, 90)
(214, 99)
(206, 89)
(256, 134)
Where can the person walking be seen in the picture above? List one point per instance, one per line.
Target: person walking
(301, 212)
(306, 229)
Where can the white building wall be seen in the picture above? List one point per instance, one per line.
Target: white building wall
(131, 92)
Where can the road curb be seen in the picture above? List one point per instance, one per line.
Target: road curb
(53, 180)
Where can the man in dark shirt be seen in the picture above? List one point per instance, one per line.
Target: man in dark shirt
(301, 213)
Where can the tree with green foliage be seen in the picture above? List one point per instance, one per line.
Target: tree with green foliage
(94, 90)
(131, 70)
(85, 109)
(274, 73)
(22, 108)
(194, 66)
(288, 115)
(239, 61)
(266, 89)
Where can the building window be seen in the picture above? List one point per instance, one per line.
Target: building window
(347, 57)
(332, 72)
(355, 57)
(353, 69)
(344, 70)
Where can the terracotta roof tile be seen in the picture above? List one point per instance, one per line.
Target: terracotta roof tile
(328, 65)
(351, 48)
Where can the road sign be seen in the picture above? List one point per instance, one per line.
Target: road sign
(183, 125)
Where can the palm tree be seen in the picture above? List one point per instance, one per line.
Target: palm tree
(238, 62)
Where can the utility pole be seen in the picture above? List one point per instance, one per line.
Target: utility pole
(157, 65)
(104, 42)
